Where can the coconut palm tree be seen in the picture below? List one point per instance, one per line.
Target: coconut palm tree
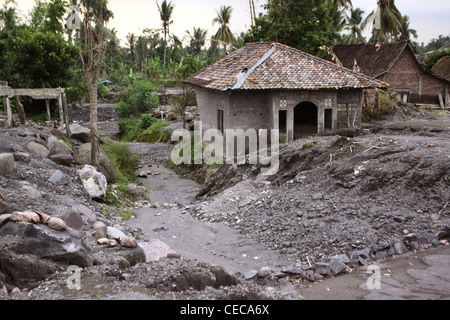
(224, 34)
(387, 22)
(197, 39)
(406, 32)
(355, 25)
(165, 13)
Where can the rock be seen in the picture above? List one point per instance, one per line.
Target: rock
(7, 163)
(72, 219)
(80, 133)
(364, 253)
(22, 156)
(24, 270)
(38, 149)
(317, 196)
(337, 266)
(250, 274)
(133, 256)
(5, 147)
(380, 255)
(343, 257)
(322, 268)
(62, 159)
(128, 242)
(56, 146)
(264, 272)
(86, 213)
(44, 242)
(99, 230)
(30, 191)
(112, 232)
(58, 177)
(137, 192)
(142, 174)
(400, 248)
(4, 208)
(94, 182)
(173, 255)
(155, 250)
(56, 223)
(82, 156)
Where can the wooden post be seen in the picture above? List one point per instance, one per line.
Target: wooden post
(47, 107)
(66, 114)
(20, 110)
(61, 112)
(9, 114)
(441, 101)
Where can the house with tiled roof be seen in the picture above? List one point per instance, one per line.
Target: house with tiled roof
(268, 85)
(396, 64)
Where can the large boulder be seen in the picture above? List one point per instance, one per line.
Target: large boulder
(62, 159)
(80, 133)
(56, 146)
(19, 269)
(7, 163)
(44, 242)
(82, 156)
(94, 182)
(38, 149)
(5, 147)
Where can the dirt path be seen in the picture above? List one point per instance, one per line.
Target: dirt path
(214, 243)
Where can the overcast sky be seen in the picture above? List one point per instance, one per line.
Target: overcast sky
(430, 18)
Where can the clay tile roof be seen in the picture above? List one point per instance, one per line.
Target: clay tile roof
(373, 60)
(271, 65)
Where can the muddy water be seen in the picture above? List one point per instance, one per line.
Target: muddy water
(213, 243)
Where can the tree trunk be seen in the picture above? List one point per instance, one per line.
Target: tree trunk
(93, 122)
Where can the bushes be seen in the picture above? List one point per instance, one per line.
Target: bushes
(124, 160)
(388, 103)
(144, 129)
(137, 99)
(155, 133)
(434, 57)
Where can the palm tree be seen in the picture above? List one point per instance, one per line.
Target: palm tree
(346, 4)
(406, 32)
(387, 21)
(224, 33)
(131, 38)
(165, 12)
(356, 26)
(198, 38)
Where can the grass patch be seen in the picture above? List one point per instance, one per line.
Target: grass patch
(145, 129)
(126, 163)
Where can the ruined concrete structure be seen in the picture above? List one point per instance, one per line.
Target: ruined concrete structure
(269, 85)
(397, 64)
(58, 94)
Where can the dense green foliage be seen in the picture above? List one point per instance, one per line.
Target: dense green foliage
(37, 50)
(434, 57)
(141, 97)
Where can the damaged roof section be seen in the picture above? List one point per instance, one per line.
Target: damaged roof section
(271, 65)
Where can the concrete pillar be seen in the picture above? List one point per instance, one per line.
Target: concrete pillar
(320, 120)
(290, 124)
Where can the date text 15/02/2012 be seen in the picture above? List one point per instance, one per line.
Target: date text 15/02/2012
(230, 309)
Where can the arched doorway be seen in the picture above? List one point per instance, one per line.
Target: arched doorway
(305, 119)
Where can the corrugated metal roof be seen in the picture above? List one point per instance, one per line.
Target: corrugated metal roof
(271, 65)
